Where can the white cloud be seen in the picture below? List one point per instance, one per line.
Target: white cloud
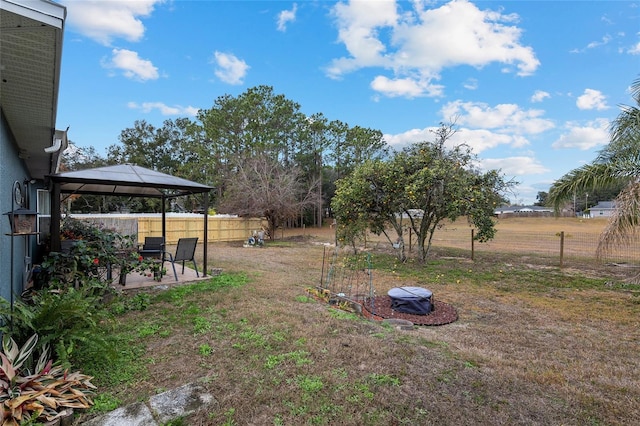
(164, 109)
(131, 65)
(470, 84)
(477, 139)
(481, 139)
(104, 21)
(514, 166)
(502, 118)
(229, 68)
(287, 16)
(358, 25)
(592, 99)
(481, 127)
(400, 140)
(406, 87)
(527, 194)
(635, 50)
(605, 40)
(595, 133)
(539, 96)
(419, 43)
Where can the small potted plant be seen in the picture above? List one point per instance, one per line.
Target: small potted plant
(151, 267)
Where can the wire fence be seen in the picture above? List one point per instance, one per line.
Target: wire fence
(560, 247)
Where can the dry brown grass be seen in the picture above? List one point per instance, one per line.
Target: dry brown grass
(537, 235)
(533, 344)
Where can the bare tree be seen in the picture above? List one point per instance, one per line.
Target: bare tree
(264, 187)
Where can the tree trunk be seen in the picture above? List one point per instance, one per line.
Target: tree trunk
(319, 204)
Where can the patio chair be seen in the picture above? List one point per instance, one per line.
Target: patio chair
(185, 251)
(153, 247)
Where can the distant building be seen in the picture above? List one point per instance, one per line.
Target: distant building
(523, 211)
(602, 209)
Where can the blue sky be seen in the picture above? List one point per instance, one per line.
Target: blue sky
(531, 85)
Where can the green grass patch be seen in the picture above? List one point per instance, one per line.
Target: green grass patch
(382, 379)
(105, 402)
(148, 329)
(122, 364)
(224, 281)
(201, 325)
(344, 315)
(299, 358)
(205, 349)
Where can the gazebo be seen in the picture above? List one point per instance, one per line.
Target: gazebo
(124, 180)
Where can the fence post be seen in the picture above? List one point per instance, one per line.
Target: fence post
(561, 248)
(472, 245)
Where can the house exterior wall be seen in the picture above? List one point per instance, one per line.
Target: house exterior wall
(594, 212)
(13, 169)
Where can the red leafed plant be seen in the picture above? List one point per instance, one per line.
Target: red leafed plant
(42, 395)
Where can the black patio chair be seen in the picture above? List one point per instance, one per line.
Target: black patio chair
(153, 247)
(185, 252)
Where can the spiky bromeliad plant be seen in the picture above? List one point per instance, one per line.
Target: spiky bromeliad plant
(43, 395)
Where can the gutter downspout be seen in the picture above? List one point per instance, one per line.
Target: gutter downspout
(60, 143)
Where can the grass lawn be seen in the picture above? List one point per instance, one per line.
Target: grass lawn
(533, 344)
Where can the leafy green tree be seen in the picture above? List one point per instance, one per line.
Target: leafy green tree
(616, 164)
(422, 185)
(79, 158)
(348, 148)
(353, 146)
(258, 122)
(145, 145)
(541, 198)
(165, 149)
(261, 123)
(309, 153)
(368, 199)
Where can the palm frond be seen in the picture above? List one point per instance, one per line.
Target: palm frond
(626, 124)
(628, 121)
(585, 178)
(623, 225)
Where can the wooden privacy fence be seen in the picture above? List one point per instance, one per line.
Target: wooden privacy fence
(220, 228)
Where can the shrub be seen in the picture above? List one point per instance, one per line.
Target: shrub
(94, 250)
(62, 319)
(41, 395)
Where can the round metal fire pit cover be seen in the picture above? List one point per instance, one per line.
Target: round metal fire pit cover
(411, 300)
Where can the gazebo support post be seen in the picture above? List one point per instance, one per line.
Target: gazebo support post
(164, 217)
(206, 232)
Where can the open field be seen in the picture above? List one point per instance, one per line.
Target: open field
(533, 344)
(540, 236)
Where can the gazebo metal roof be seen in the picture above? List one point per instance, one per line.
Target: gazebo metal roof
(124, 180)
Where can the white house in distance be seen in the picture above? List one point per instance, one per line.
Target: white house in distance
(523, 211)
(602, 209)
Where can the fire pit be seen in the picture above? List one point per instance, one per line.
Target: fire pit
(411, 300)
